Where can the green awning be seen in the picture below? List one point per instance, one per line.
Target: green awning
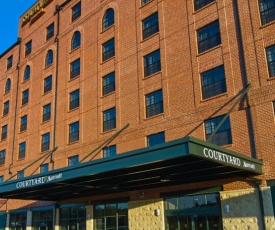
(181, 161)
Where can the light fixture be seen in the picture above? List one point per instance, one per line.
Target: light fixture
(157, 212)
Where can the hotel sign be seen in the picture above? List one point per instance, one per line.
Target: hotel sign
(37, 181)
(34, 10)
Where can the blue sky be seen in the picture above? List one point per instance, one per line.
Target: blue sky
(9, 23)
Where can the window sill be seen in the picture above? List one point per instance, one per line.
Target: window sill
(74, 109)
(154, 116)
(24, 81)
(71, 79)
(73, 142)
(267, 24)
(145, 4)
(272, 78)
(72, 51)
(103, 31)
(151, 75)
(43, 122)
(153, 35)
(108, 94)
(48, 66)
(109, 59)
(204, 7)
(23, 131)
(108, 131)
(209, 50)
(214, 97)
(47, 92)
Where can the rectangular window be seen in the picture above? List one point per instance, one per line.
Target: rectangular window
(74, 99)
(75, 68)
(71, 215)
(155, 139)
(18, 220)
(213, 82)
(198, 4)
(6, 108)
(25, 97)
(24, 121)
(45, 142)
(46, 112)
(50, 31)
(76, 11)
(9, 62)
(44, 168)
(4, 132)
(74, 132)
(73, 160)
(20, 174)
(209, 36)
(108, 83)
(109, 151)
(150, 25)
(22, 150)
(152, 63)
(2, 157)
(267, 11)
(111, 216)
(270, 56)
(43, 219)
(47, 84)
(223, 135)
(154, 103)
(108, 49)
(109, 119)
(1, 179)
(28, 48)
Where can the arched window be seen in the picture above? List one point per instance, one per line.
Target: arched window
(49, 58)
(8, 86)
(27, 73)
(76, 40)
(108, 19)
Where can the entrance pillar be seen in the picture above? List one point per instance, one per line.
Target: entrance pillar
(29, 220)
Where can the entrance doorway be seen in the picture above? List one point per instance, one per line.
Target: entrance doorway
(193, 212)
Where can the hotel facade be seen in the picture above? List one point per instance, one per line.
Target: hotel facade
(139, 115)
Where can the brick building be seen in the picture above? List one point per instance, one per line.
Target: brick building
(139, 114)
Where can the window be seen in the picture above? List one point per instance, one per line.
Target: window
(270, 56)
(2, 157)
(152, 63)
(150, 25)
(74, 132)
(223, 135)
(44, 168)
(76, 11)
(155, 139)
(154, 103)
(109, 151)
(1, 179)
(209, 36)
(27, 73)
(108, 84)
(22, 150)
(76, 40)
(50, 31)
(43, 219)
(111, 216)
(73, 160)
(24, 121)
(267, 11)
(9, 62)
(8, 86)
(25, 97)
(49, 58)
(45, 142)
(4, 132)
(48, 84)
(75, 69)
(74, 99)
(108, 19)
(108, 49)
(6, 108)
(46, 112)
(18, 220)
(143, 2)
(213, 82)
(28, 48)
(201, 3)
(73, 217)
(109, 119)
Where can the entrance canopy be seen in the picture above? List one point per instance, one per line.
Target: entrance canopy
(181, 161)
